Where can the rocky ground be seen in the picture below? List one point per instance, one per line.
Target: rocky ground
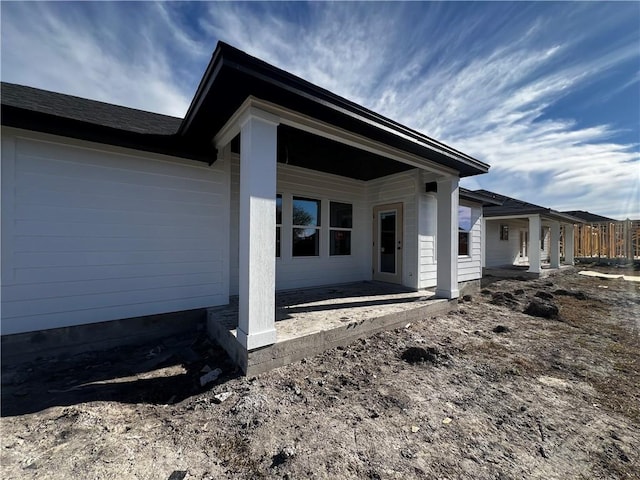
(487, 392)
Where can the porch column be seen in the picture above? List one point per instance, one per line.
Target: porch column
(534, 244)
(568, 244)
(257, 227)
(447, 240)
(554, 245)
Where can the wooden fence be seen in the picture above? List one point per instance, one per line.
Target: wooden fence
(607, 240)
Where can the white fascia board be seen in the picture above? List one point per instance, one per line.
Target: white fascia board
(311, 125)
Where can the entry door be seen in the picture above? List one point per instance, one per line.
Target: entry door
(387, 243)
(524, 244)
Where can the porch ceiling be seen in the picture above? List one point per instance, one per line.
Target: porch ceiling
(303, 149)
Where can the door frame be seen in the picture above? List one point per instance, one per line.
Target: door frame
(524, 244)
(399, 243)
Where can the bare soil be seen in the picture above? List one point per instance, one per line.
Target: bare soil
(486, 392)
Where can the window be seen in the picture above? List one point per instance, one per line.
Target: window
(340, 226)
(504, 232)
(306, 227)
(278, 223)
(464, 227)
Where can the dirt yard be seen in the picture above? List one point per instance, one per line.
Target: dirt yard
(487, 392)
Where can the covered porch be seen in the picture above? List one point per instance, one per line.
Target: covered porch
(310, 321)
(321, 191)
(532, 241)
(303, 219)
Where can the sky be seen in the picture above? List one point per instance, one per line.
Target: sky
(547, 93)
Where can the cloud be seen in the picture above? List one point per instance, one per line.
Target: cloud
(111, 58)
(486, 78)
(489, 101)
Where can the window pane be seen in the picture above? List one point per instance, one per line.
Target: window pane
(464, 218)
(306, 212)
(341, 215)
(277, 241)
(279, 209)
(340, 242)
(306, 242)
(463, 243)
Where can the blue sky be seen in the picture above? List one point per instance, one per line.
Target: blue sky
(547, 93)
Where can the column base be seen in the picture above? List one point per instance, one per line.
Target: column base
(256, 340)
(448, 294)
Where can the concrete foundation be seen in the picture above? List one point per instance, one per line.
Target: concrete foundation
(30, 346)
(311, 321)
(469, 288)
(520, 271)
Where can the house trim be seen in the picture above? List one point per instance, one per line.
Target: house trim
(308, 124)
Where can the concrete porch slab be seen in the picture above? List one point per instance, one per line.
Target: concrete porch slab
(313, 320)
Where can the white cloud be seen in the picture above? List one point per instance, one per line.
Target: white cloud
(43, 48)
(489, 104)
(483, 82)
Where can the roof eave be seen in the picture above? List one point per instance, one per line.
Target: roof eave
(226, 56)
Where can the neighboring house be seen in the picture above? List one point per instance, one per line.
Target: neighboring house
(110, 213)
(589, 217)
(521, 233)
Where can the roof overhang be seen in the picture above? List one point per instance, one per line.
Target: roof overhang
(471, 196)
(549, 214)
(27, 119)
(233, 77)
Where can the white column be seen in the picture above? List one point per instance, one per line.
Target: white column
(568, 244)
(534, 244)
(447, 269)
(257, 227)
(554, 245)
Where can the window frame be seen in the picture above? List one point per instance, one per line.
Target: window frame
(317, 226)
(504, 232)
(465, 233)
(278, 249)
(340, 229)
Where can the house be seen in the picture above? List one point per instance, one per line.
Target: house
(524, 234)
(589, 217)
(111, 214)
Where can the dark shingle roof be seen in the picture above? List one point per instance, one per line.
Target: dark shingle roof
(477, 196)
(513, 207)
(231, 77)
(589, 217)
(59, 114)
(89, 111)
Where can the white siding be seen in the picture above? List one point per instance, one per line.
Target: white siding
(502, 252)
(427, 240)
(401, 188)
(469, 267)
(300, 272)
(507, 252)
(92, 233)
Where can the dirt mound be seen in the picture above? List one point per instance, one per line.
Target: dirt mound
(542, 308)
(570, 293)
(544, 295)
(421, 355)
(504, 299)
